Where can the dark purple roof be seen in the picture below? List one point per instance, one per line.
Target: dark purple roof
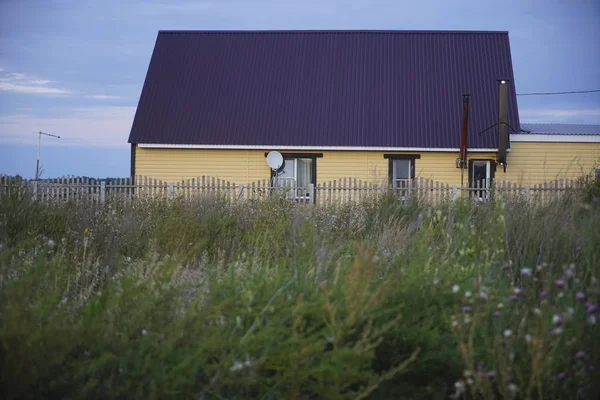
(323, 88)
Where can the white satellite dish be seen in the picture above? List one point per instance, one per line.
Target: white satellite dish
(275, 160)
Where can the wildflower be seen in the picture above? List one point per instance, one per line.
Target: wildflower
(513, 297)
(51, 243)
(454, 324)
(497, 313)
(144, 332)
(491, 374)
(580, 355)
(86, 230)
(516, 291)
(528, 338)
(455, 289)
(512, 387)
(569, 273)
(526, 271)
(556, 319)
(562, 376)
(500, 305)
(560, 295)
(580, 296)
(436, 281)
(483, 295)
(570, 310)
(128, 259)
(507, 333)
(543, 294)
(467, 309)
(460, 386)
(592, 320)
(560, 283)
(591, 308)
(468, 294)
(557, 331)
(467, 319)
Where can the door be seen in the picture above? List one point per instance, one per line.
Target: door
(480, 178)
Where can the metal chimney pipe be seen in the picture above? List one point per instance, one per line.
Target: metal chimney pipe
(502, 122)
(465, 129)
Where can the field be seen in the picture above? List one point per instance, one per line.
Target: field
(270, 299)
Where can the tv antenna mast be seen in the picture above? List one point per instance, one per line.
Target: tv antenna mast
(37, 165)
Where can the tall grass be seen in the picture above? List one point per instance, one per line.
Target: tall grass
(270, 299)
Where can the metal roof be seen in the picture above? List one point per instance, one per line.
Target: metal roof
(561, 129)
(323, 88)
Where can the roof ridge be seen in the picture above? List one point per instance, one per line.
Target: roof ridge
(321, 31)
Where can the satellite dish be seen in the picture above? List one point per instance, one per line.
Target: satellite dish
(275, 160)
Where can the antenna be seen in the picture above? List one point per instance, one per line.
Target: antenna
(275, 162)
(37, 165)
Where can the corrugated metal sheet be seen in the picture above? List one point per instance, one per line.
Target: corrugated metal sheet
(561, 129)
(323, 88)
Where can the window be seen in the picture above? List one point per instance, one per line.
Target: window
(401, 172)
(481, 175)
(298, 172)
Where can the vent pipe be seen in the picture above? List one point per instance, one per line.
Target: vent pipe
(462, 158)
(502, 122)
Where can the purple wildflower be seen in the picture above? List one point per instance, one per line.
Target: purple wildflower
(491, 374)
(562, 376)
(467, 309)
(497, 313)
(580, 355)
(513, 297)
(580, 296)
(569, 273)
(559, 283)
(591, 308)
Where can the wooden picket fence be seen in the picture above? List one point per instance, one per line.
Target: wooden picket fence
(348, 189)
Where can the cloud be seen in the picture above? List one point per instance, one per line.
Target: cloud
(17, 83)
(103, 97)
(40, 82)
(12, 87)
(1, 69)
(106, 127)
(582, 116)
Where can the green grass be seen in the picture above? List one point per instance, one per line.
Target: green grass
(276, 300)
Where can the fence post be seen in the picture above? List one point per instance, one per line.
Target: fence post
(35, 190)
(241, 193)
(527, 192)
(454, 192)
(311, 193)
(102, 191)
(171, 191)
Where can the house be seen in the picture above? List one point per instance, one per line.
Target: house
(381, 106)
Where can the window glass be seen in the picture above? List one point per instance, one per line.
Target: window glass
(401, 169)
(304, 172)
(289, 167)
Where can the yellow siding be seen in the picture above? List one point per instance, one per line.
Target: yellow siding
(528, 163)
(534, 162)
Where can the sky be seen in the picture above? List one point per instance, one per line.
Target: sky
(75, 68)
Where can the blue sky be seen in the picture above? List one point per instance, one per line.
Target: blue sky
(76, 68)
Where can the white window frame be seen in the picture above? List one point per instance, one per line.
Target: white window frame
(404, 191)
(296, 192)
(482, 192)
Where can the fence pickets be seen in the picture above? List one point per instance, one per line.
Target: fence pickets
(346, 189)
